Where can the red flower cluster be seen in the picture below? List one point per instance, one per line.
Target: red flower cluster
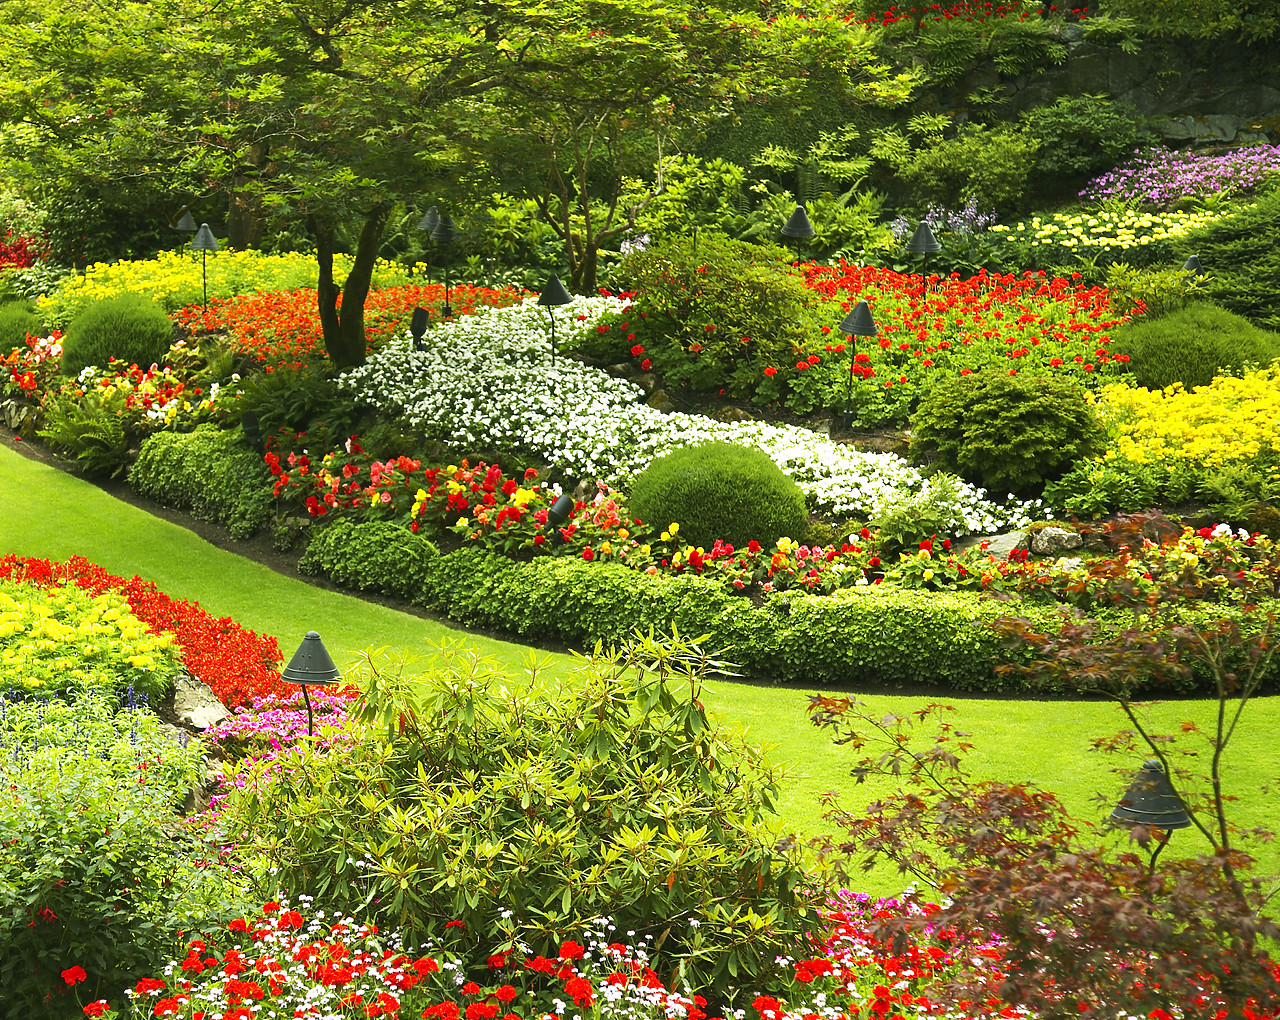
(237, 664)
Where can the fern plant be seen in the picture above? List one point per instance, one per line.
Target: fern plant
(85, 429)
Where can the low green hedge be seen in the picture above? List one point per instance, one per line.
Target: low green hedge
(877, 635)
(211, 471)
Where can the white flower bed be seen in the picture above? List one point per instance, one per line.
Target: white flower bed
(486, 380)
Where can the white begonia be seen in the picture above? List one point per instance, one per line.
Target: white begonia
(486, 380)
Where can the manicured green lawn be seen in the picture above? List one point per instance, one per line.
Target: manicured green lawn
(50, 514)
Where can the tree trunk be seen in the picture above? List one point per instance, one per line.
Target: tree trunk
(344, 336)
(244, 213)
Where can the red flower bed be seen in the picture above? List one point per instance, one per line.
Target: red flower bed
(282, 328)
(17, 251)
(237, 664)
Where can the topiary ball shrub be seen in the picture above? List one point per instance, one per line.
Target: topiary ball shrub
(129, 327)
(17, 321)
(1192, 345)
(1007, 433)
(720, 490)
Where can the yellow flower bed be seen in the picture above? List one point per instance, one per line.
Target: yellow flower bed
(1229, 421)
(1105, 228)
(64, 639)
(175, 279)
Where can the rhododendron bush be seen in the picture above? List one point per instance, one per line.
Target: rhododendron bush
(236, 663)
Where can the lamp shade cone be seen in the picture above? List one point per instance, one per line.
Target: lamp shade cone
(430, 220)
(554, 293)
(1192, 265)
(311, 663)
(445, 230)
(1151, 801)
(187, 223)
(418, 324)
(922, 241)
(798, 226)
(859, 321)
(203, 241)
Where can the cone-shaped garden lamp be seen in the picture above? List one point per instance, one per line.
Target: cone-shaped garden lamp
(428, 223)
(553, 296)
(798, 227)
(1192, 267)
(924, 243)
(204, 243)
(311, 664)
(187, 223)
(444, 232)
(857, 323)
(1151, 802)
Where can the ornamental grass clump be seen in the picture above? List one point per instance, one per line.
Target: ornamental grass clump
(720, 491)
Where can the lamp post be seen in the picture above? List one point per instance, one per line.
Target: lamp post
(428, 223)
(311, 664)
(553, 296)
(204, 243)
(1192, 267)
(857, 323)
(924, 243)
(1151, 802)
(798, 227)
(444, 232)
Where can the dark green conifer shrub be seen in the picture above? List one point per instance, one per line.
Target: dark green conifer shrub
(1241, 254)
(1007, 433)
(720, 490)
(1192, 345)
(128, 327)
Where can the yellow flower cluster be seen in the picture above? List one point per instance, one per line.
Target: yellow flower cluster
(1105, 228)
(1230, 420)
(67, 638)
(175, 279)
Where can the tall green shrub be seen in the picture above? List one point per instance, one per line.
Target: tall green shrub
(1241, 253)
(527, 811)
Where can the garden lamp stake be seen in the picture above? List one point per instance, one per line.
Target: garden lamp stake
(857, 323)
(310, 664)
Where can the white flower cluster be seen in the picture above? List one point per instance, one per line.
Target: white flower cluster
(487, 380)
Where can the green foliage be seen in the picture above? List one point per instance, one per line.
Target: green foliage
(707, 194)
(129, 327)
(1241, 252)
(297, 399)
(95, 872)
(527, 811)
(1006, 433)
(911, 517)
(720, 491)
(370, 556)
(1159, 291)
(63, 639)
(695, 306)
(1083, 134)
(1192, 345)
(17, 321)
(212, 472)
(989, 166)
(1254, 21)
(88, 428)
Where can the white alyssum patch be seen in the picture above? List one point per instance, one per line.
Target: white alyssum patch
(486, 380)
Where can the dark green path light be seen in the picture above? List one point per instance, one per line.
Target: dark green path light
(428, 223)
(553, 296)
(444, 232)
(857, 323)
(557, 514)
(1152, 803)
(923, 242)
(1192, 267)
(311, 664)
(418, 328)
(204, 243)
(798, 227)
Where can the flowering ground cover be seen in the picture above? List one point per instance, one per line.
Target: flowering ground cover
(236, 663)
(487, 381)
(280, 327)
(1160, 177)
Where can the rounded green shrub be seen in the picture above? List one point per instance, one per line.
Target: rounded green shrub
(1007, 433)
(1192, 345)
(377, 556)
(17, 320)
(720, 490)
(129, 327)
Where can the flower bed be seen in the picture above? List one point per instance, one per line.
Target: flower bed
(236, 663)
(1160, 177)
(487, 382)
